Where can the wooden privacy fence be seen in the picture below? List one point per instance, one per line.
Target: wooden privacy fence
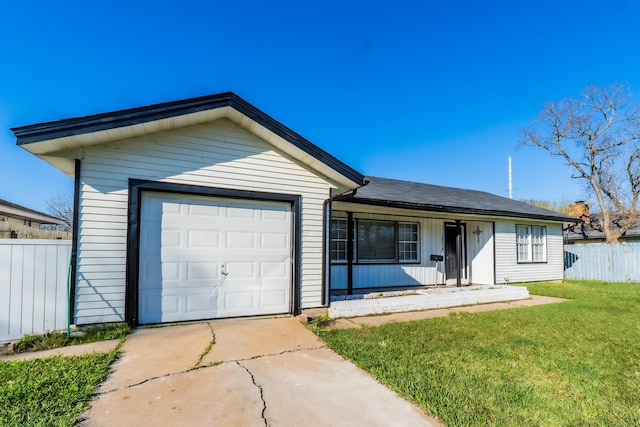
(611, 262)
(33, 286)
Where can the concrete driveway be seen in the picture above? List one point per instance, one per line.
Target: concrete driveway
(249, 372)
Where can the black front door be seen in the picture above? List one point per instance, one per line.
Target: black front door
(454, 239)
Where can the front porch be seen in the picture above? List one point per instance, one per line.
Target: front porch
(396, 300)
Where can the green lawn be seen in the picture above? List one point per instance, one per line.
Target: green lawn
(52, 391)
(574, 363)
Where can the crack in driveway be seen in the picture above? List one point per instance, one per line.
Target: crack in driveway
(208, 347)
(211, 365)
(264, 402)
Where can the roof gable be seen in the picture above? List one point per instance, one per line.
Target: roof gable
(43, 139)
(435, 198)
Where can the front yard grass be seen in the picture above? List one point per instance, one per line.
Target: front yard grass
(51, 391)
(573, 363)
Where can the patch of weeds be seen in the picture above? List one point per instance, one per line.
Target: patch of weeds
(320, 322)
(51, 340)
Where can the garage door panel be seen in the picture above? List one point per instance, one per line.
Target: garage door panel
(195, 210)
(158, 304)
(238, 301)
(240, 240)
(205, 303)
(274, 269)
(242, 270)
(170, 238)
(203, 271)
(275, 215)
(237, 211)
(186, 245)
(276, 298)
(274, 241)
(202, 238)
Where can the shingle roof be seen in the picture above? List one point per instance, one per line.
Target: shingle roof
(435, 198)
(593, 229)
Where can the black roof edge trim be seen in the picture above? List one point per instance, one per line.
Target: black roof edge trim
(133, 116)
(447, 209)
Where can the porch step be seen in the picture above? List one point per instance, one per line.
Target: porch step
(424, 299)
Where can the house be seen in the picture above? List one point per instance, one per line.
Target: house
(19, 222)
(209, 208)
(589, 228)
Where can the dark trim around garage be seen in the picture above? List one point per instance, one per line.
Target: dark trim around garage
(136, 187)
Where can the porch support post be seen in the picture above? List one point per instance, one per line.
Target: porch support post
(458, 254)
(350, 238)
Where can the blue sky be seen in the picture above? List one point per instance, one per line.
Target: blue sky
(430, 91)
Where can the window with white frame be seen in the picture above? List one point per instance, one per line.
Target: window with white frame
(339, 240)
(531, 243)
(408, 241)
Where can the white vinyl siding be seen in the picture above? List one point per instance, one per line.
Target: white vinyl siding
(219, 154)
(509, 270)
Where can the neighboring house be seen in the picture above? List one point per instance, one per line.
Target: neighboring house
(18, 222)
(209, 208)
(589, 229)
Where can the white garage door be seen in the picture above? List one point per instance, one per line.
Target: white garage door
(204, 257)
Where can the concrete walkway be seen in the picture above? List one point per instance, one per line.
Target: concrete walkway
(250, 372)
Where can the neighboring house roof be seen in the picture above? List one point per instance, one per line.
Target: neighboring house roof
(592, 227)
(44, 138)
(16, 211)
(435, 198)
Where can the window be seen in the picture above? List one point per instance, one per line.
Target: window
(339, 238)
(408, 241)
(376, 241)
(531, 243)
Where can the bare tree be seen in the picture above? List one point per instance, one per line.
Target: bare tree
(561, 206)
(598, 135)
(61, 206)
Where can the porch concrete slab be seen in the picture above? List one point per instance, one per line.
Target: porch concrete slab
(72, 350)
(157, 352)
(317, 388)
(240, 339)
(538, 300)
(425, 299)
(400, 317)
(222, 396)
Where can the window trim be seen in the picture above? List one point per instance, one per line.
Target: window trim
(530, 244)
(346, 240)
(416, 241)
